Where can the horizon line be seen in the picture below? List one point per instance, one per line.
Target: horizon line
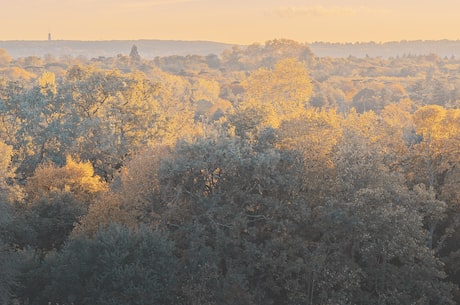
(230, 43)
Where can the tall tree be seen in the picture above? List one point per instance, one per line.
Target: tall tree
(134, 54)
(286, 90)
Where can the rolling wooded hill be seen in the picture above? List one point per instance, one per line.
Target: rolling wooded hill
(152, 48)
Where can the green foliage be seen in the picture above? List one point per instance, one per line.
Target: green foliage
(257, 195)
(8, 259)
(45, 225)
(230, 204)
(380, 235)
(118, 266)
(9, 265)
(56, 199)
(242, 223)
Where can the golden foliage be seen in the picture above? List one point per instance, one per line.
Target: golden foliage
(286, 89)
(365, 125)
(5, 159)
(255, 116)
(315, 134)
(398, 115)
(396, 126)
(75, 177)
(175, 113)
(103, 212)
(47, 83)
(5, 58)
(438, 151)
(428, 120)
(204, 89)
(17, 73)
(133, 200)
(140, 176)
(7, 192)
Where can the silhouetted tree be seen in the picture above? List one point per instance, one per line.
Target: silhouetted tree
(134, 54)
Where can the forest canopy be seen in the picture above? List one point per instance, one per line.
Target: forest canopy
(262, 175)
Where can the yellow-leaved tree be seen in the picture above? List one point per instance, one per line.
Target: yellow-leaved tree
(176, 112)
(134, 198)
(284, 91)
(8, 192)
(47, 83)
(76, 177)
(56, 200)
(315, 136)
(438, 150)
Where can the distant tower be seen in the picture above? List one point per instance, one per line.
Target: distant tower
(49, 36)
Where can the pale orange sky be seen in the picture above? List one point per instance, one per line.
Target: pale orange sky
(232, 21)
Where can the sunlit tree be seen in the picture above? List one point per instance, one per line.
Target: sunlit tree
(286, 89)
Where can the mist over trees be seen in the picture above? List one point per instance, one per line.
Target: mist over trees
(262, 175)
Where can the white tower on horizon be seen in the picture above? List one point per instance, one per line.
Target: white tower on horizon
(49, 36)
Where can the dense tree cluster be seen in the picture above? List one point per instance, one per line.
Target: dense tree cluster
(264, 176)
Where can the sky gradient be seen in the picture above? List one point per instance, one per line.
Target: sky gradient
(235, 21)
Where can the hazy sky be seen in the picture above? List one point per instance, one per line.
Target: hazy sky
(233, 21)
